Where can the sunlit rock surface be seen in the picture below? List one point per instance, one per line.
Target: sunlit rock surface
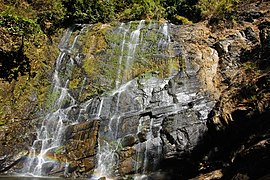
(158, 101)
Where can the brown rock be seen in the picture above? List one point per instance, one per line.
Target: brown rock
(80, 146)
(127, 152)
(128, 140)
(217, 174)
(88, 163)
(127, 166)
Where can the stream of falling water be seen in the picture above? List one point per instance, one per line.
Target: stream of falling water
(132, 45)
(107, 152)
(125, 30)
(49, 135)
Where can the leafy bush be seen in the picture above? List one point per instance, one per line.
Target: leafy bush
(49, 14)
(181, 8)
(14, 31)
(219, 9)
(18, 25)
(81, 11)
(142, 9)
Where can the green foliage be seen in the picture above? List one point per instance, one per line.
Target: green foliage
(185, 8)
(183, 20)
(13, 61)
(18, 25)
(80, 11)
(50, 14)
(141, 9)
(217, 9)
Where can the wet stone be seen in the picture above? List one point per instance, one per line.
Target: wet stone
(80, 147)
(128, 140)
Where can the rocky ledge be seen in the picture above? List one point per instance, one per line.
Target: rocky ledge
(208, 121)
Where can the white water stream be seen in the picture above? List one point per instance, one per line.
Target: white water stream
(107, 151)
(49, 136)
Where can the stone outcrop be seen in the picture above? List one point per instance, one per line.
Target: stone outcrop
(238, 127)
(154, 120)
(80, 148)
(207, 121)
(77, 156)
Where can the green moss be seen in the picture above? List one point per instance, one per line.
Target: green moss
(74, 84)
(183, 20)
(51, 99)
(160, 68)
(93, 40)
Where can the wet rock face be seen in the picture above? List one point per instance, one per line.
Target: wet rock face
(79, 149)
(152, 120)
(76, 157)
(142, 123)
(152, 124)
(181, 133)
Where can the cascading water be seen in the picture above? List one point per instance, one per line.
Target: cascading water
(131, 111)
(123, 44)
(164, 42)
(108, 151)
(132, 45)
(49, 136)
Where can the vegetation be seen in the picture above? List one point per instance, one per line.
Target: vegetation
(218, 10)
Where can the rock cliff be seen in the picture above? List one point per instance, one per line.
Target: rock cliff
(209, 119)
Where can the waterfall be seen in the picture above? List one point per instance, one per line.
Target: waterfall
(134, 42)
(49, 135)
(107, 152)
(123, 44)
(109, 146)
(131, 46)
(131, 109)
(163, 42)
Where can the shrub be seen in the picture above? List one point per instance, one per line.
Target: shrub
(181, 8)
(18, 25)
(220, 9)
(49, 14)
(80, 11)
